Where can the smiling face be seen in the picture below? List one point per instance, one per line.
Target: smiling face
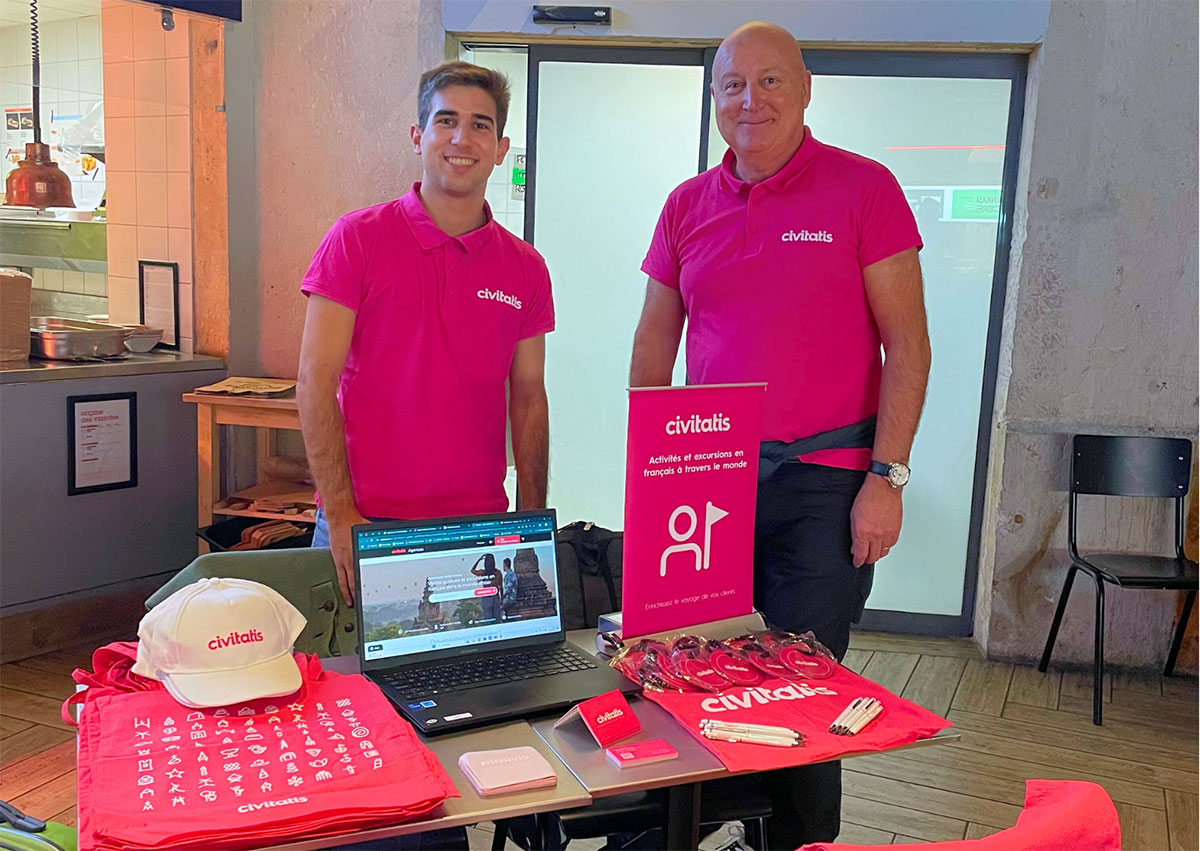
(459, 145)
(760, 89)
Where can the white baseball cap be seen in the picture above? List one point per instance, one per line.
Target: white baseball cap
(221, 641)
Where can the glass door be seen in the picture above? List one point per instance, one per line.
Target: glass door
(612, 132)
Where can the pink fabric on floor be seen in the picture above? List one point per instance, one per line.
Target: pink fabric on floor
(1058, 815)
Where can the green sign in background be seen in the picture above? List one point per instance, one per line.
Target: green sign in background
(979, 204)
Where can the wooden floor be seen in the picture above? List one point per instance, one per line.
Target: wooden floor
(1015, 724)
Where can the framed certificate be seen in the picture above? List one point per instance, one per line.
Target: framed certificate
(101, 442)
(158, 299)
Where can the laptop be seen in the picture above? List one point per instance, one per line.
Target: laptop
(460, 621)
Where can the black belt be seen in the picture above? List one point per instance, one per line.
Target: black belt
(773, 454)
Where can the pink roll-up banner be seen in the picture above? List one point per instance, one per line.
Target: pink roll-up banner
(690, 487)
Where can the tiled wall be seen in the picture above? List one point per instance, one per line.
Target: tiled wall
(507, 208)
(147, 88)
(71, 88)
(66, 281)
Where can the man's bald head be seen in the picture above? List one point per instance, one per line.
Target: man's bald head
(754, 34)
(761, 89)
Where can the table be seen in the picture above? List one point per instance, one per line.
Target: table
(214, 411)
(683, 776)
(589, 774)
(471, 808)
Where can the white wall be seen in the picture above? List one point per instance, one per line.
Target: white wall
(855, 21)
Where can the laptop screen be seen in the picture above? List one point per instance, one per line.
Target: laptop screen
(444, 584)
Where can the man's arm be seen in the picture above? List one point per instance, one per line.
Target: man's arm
(897, 302)
(328, 328)
(656, 341)
(529, 415)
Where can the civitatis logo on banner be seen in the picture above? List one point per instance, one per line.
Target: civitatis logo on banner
(690, 487)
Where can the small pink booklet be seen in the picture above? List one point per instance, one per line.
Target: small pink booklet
(508, 770)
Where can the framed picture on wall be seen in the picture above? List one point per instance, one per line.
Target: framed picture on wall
(158, 299)
(101, 442)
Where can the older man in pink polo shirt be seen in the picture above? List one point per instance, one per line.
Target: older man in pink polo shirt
(419, 311)
(792, 263)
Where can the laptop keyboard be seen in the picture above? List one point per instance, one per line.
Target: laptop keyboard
(486, 671)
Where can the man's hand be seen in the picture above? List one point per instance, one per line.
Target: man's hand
(875, 520)
(341, 544)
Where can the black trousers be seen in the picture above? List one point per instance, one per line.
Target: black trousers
(805, 579)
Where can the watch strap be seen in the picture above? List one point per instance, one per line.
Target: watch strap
(879, 468)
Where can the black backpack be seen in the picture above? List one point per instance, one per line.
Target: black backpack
(589, 573)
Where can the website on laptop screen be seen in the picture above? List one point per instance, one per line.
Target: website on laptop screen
(443, 585)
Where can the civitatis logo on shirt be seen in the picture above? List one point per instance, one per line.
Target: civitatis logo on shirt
(807, 236)
(498, 295)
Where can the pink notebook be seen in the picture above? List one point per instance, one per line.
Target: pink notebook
(508, 770)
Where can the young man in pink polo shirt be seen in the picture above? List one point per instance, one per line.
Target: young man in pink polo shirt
(792, 263)
(419, 311)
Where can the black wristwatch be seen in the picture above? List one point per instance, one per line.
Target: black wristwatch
(897, 474)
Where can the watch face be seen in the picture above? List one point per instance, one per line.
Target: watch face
(898, 475)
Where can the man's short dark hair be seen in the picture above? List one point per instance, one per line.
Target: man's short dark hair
(463, 74)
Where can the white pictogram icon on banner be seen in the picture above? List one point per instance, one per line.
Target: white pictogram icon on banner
(221, 711)
(702, 555)
(146, 792)
(295, 781)
(141, 722)
(145, 780)
(245, 710)
(195, 716)
(324, 775)
(208, 795)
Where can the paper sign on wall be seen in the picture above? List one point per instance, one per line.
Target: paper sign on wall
(690, 486)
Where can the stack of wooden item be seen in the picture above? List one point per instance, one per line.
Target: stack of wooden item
(264, 534)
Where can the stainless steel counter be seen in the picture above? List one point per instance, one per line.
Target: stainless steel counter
(159, 361)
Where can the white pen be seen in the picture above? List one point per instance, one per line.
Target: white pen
(753, 740)
(848, 726)
(857, 715)
(841, 719)
(774, 733)
(749, 728)
(748, 735)
(871, 716)
(839, 726)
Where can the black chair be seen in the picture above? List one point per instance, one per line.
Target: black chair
(1134, 467)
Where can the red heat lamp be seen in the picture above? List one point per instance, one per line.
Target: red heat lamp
(37, 181)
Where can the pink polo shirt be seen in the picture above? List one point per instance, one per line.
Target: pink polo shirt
(771, 278)
(438, 318)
